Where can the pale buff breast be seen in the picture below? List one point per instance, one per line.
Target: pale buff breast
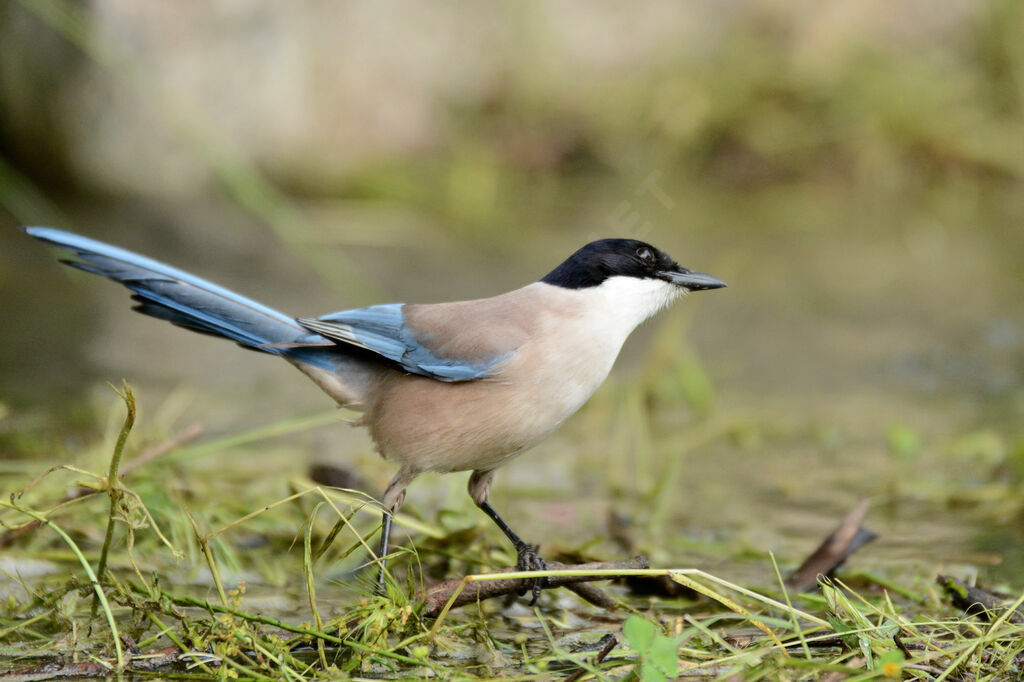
(426, 425)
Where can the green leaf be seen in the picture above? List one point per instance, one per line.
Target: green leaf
(663, 655)
(648, 673)
(842, 629)
(639, 632)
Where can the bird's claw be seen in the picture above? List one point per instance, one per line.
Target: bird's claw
(529, 560)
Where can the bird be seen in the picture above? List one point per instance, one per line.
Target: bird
(442, 387)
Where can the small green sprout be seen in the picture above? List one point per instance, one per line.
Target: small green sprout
(658, 658)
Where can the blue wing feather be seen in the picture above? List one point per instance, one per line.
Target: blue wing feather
(168, 293)
(382, 329)
(177, 296)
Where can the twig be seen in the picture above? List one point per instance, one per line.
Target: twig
(161, 449)
(610, 644)
(592, 595)
(847, 538)
(438, 596)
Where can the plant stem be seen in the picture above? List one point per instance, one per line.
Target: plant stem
(113, 486)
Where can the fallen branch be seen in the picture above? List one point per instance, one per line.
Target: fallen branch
(846, 539)
(439, 595)
(977, 602)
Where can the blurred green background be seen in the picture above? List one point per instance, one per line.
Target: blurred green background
(854, 170)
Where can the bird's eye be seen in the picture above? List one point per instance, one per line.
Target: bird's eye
(644, 254)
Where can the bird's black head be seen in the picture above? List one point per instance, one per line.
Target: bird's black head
(597, 261)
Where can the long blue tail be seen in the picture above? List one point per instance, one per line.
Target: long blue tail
(178, 297)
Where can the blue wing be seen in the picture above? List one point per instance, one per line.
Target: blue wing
(382, 330)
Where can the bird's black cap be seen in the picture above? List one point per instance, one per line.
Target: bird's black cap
(597, 261)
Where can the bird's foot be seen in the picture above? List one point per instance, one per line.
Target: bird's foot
(529, 560)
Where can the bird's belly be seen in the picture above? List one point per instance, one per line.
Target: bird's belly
(427, 425)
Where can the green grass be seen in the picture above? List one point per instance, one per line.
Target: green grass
(239, 584)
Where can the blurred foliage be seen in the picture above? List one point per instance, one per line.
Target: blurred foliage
(878, 136)
(879, 140)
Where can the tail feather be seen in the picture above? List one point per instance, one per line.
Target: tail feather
(181, 298)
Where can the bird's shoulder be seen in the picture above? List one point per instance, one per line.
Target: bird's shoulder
(454, 341)
(474, 330)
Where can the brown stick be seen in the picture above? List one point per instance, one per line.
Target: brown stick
(438, 595)
(161, 449)
(975, 601)
(592, 595)
(605, 650)
(847, 538)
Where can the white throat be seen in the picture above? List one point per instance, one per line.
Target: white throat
(628, 301)
(617, 306)
(583, 331)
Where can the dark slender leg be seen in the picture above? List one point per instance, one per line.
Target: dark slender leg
(528, 559)
(385, 535)
(394, 495)
(505, 528)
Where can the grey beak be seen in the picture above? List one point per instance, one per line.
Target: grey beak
(694, 281)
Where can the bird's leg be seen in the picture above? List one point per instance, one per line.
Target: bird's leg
(385, 535)
(527, 557)
(394, 494)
